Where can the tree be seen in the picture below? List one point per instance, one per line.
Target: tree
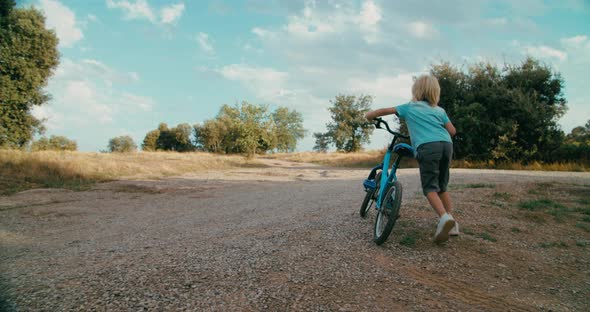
(54, 143)
(28, 56)
(349, 129)
(167, 140)
(164, 138)
(182, 138)
(576, 146)
(122, 144)
(250, 129)
(322, 142)
(6, 7)
(209, 136)
(505, 114)
(150, 142)
(288, 129)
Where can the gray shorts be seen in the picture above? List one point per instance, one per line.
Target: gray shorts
(434, 159)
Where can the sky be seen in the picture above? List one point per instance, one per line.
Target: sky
(127, 65)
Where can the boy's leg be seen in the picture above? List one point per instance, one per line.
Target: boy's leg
(445, 198)
(429, 156)
(436, 203)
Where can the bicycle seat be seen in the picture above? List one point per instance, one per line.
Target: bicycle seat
(404, 149)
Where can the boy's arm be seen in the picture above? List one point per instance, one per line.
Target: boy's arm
(449, 126)
(380, 112)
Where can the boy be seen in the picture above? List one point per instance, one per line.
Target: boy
(430, 132)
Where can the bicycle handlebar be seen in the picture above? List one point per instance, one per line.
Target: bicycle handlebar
(378, 121)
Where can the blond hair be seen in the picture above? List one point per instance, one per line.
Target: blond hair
(426, 88)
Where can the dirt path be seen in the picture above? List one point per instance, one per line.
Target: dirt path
(288, 237)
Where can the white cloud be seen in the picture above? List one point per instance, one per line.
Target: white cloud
(204, 43)
(141, 9)
(545, 52)
(83, 94)
(267, 83)
(171, 13)
(261, 32)
(369, 18)
(385, 89)
(138, 9)
(63, 20)
(576, 40)
(92, 18)
(325, 48)
(70, 70)
(87, 93)
(422, 30)
(140, 102)
(308, 27)
(51, 119)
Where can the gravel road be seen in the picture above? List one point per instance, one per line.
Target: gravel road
(286, 237)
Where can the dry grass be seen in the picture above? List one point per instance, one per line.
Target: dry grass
(369, 159)
(365, 159)
(77, 170)
(536, 166)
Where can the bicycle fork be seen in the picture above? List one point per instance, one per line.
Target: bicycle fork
(387, 178)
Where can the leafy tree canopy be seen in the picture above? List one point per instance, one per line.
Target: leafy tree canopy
(28, 56)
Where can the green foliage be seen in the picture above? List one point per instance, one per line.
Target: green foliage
(54, 143)
(539, 204)
(181, 136)
(576, 147)
(169, 139)
(559, 244)
(583, 226)
(6, 7)
(507, 114)
(409, 240)
(210, 135)
(472, 185)
(122, 144)
(349, 129)
(322, 142)
(468, 231)
(28, 56)
(503, 195)
(288, 129)
(250, 129)
(150, 142)
(488, 237)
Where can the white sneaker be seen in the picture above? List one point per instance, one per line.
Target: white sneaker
(445, 224)
(455, 230)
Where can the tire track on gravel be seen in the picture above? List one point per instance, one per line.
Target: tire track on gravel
(465, 293)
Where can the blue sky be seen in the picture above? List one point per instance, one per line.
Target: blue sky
(127, 65)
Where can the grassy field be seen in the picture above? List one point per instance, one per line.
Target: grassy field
(369, 159)
(77, 170)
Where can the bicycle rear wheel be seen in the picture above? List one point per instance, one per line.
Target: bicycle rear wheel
(388, 214)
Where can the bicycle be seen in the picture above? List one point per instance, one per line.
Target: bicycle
(383, 188)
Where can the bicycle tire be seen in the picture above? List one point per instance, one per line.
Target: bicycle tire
(370, 198)
(388, 214)
(367, 203)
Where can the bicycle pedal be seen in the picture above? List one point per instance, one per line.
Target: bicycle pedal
(369, 185)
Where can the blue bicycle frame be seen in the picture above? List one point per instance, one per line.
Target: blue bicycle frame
(388, 176)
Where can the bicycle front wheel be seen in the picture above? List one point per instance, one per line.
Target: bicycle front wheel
(370, 198)
(367, 203)
(388, 214)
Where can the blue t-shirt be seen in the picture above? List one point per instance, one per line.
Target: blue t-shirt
(425, 123)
